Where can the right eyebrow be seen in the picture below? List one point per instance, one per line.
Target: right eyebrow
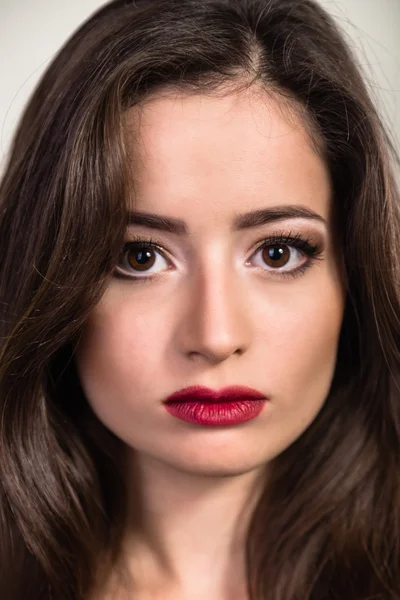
(242, 221)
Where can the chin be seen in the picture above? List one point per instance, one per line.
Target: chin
(216, 466)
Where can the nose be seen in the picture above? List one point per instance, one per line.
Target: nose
(216, 324)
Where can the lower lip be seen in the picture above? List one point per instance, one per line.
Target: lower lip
(216, 413)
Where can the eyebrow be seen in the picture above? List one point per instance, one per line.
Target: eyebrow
(242, 221)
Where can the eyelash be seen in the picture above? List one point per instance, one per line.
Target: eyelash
(304, 244)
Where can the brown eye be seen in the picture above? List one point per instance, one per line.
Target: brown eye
(283, 258)
(276, 256)
(141, 259)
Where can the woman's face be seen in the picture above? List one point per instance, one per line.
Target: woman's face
(210, 306)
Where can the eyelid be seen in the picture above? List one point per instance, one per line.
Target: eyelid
(305, 245)
(288, 236)
(145, 242)
(149, 242)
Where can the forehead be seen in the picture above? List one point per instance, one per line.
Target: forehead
(229, 153)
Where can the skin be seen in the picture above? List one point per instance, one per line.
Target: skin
(215, 314)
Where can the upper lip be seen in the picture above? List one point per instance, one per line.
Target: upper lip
(228, 394)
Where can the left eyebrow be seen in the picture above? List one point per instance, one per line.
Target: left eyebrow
(275, 213)
(248, 220)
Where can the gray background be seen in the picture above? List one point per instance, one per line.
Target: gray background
(32, 32)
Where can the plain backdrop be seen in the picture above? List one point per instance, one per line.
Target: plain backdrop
(32, 31)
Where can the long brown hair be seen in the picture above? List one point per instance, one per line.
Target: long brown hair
(329, 524)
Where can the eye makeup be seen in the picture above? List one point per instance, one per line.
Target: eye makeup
(275, 244)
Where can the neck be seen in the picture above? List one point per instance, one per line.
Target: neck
(188, 531)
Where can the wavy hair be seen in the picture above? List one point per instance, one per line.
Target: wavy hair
(328, 526)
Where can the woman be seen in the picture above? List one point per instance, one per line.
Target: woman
(230, 430)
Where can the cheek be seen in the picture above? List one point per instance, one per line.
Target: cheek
(306, 339)
(118, 348)
(311, 333)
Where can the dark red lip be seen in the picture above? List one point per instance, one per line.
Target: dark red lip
(204, 394)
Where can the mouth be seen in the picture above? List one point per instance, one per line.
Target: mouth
(205, 407)
(207, 395)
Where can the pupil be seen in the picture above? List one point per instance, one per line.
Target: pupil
(276, 256)
(275, 253)
(143, 257)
